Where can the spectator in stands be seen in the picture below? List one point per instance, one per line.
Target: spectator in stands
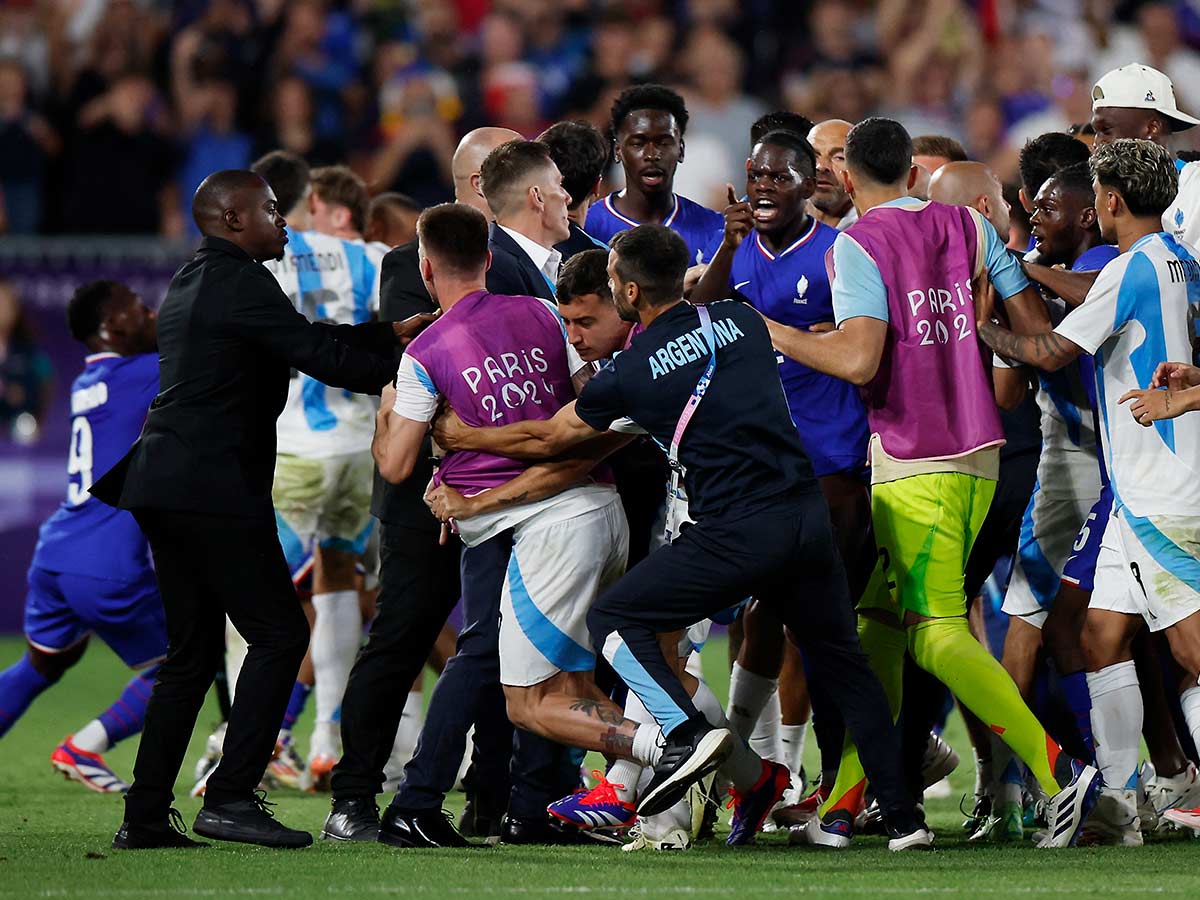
(26, 376)
(26, 143)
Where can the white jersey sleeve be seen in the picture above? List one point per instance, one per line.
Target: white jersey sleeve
(1094, 321)
(1182, 218)
(416, 396)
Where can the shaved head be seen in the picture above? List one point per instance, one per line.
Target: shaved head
(239, 206)
(832, 131)
(472, 150)
(975, 185)
(828, 140)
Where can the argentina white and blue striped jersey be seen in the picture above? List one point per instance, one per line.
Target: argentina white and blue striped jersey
(1140, 312)
(331, 280)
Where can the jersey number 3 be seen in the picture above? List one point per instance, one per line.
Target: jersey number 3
(79, 461)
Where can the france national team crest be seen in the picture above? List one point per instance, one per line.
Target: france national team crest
(802, 290)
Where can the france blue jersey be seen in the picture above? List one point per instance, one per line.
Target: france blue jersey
(109, 401)
(700, 227)
(792, 287)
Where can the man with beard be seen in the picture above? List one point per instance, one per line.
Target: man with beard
(830, 204)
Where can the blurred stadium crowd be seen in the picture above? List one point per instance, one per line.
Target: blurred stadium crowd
(111, 111)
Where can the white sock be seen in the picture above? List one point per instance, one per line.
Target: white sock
(235, 655)
(91, 737)
(1116, 722)
(647, 744)
(709, 706)
(744, 767)
(336, 636)
(410, 727)
(791, 745)
(1190, 701)
(764, 739)
(748, 694)
(624, 775)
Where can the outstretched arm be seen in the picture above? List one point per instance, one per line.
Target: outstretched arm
(851, 351)
(1046, 350)
(1072, 287)
(532, 439)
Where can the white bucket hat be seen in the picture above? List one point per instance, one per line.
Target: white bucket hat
(1136, 86)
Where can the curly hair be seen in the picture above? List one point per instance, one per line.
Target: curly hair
(1142, 172)
(649, 96)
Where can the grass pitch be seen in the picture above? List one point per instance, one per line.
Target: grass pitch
(55, 842)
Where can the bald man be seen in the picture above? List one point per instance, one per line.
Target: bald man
(975, 185)
(472, 150)
(830, 204)
(198, 482)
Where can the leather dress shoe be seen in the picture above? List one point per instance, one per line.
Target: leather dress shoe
(424, 829)
(352, 819)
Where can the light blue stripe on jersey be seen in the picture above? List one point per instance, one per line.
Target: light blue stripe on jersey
(652, 694)
(1042, 577)
(423, 377)
(316, 412)
(562, 652)
(363, 274)
(1058, 388)
(1138, 284)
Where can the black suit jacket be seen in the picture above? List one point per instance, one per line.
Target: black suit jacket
(228, 339)
(578, 241)
(512, 271)
(403, 294)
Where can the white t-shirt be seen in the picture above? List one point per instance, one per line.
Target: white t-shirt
(1139, 313)
(1182, 218)
(328, 280)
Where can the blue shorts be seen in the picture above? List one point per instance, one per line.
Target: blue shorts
(62, 609)
(1080, 568)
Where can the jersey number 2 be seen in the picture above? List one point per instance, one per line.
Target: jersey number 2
(79, 461)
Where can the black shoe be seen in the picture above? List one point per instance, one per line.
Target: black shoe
(352, 819)
(248, 822)
(545, 831)
(687, 757)
(138, 836)
(424, 830)
(478, 821)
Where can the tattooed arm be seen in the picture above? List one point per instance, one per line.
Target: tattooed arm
(1046, 351)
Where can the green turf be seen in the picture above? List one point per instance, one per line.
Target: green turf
(54, 842)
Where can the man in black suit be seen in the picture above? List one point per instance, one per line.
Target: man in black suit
(525, 192)
(581, 153)
(198, 481)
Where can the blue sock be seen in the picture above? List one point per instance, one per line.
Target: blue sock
(128, 713)
(295, 705)
(19, 684)
(1075, 689)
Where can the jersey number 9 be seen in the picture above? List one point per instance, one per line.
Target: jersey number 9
(79, 461)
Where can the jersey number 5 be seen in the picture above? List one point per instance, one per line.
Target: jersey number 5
(79, 461)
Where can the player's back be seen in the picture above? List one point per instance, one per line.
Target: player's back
(931, 397)
(328, 280)
(1155, 470)
(109, 400)
(497, 359)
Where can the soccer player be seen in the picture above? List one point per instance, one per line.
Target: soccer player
(704, 382)
(902, 279)
(1137, 314)
(498, 358)
(773, 254)
(91, 571)
(322, 488)
(830, 203)
(648, 125)
(1066, 233)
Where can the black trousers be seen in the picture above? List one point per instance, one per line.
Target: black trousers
(785, 557)
(209, 567)
(468, 692)
(418, 587)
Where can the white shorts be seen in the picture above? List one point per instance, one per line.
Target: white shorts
(1149, 568)
(555, 573)
(325, 502)
(694, 638)
(1047, 535)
